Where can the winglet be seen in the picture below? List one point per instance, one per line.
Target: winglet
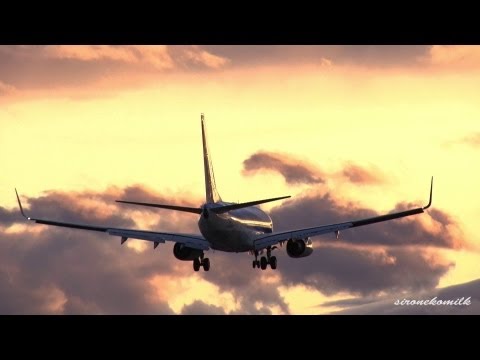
(431, 191)
(20, 205)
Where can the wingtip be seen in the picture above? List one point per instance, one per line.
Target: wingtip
(431, 194)
(20, 205)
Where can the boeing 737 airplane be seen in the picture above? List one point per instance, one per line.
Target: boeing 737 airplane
(229, 227)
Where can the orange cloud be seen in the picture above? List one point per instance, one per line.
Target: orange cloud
(157, 55)
(160, 57)
(455, 55)
(6, 89)
(199, 56)
(360, 175)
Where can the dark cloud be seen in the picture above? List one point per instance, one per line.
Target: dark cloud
(234, 273)
(293, 170)
(141, 194)
(297, 171)
(200, 308)
(8, 217)
(366, 271)
(364, 55)
(72, 271)
(388, 257)
(313, 209)
(387, 307)
(86, 272)
(79, 272)
(75, 272)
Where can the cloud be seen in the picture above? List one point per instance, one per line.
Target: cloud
(387, 307)
(433, 228)
(376, 56)
(6, 89)
(198, 307)
(388, 257)
(293, 170)
(196, 55)
(471, 140)
(156, 56)
(73, 66)
(66, 271)
(296, 171)
(99, 276)
(160, 57)
(366, 271)
(8, 217)
(459, 56)
(359, 175)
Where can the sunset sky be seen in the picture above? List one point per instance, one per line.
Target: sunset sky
(347, 131)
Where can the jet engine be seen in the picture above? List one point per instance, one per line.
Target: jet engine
(298, 248)
(185, 253)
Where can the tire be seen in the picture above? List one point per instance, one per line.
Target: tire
(206, 264)
(263, 263)
(273, 262)
(196, 264)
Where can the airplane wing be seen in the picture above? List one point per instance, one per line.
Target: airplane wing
(265, 241)
(193, 241)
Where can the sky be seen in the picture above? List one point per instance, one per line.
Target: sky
(347, 131)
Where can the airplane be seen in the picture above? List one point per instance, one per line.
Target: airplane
(229, 227)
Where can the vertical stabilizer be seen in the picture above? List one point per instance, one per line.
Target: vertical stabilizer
(211, 194)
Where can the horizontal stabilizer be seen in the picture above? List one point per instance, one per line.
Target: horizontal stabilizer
(225, 208)
(169, 207)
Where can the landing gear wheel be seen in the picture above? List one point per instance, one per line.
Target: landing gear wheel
(206, 264)
(258, 264)
(263, 262)
(273, 262)
(254, 264)
(196, 264)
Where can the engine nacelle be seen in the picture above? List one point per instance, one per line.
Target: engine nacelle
(185, 253)
(298, 248)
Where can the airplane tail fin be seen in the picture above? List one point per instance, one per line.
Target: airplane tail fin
(211, 193)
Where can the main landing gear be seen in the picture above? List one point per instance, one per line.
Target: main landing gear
(201, 261)
(265, 261)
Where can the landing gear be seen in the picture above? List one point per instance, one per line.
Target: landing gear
(206, 264)
(273, 262)
(198, 262)
(256, 263)
(265, 261)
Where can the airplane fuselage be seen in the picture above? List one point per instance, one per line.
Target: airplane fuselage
(235, 230)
